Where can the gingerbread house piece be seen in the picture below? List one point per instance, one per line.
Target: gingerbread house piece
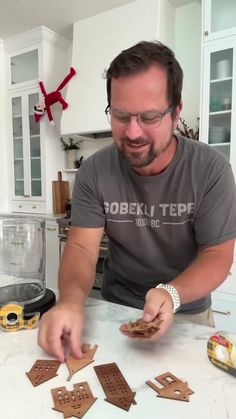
(115, 386)
(75, 364)
(142, 329)
(43, 370)
(171, 387)
(73, 403)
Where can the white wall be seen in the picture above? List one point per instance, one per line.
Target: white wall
(188, 53)
(167, 23)
(96, 41)
(4, 202)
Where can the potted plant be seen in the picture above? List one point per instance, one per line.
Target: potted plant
(70, 146)
(187, 132)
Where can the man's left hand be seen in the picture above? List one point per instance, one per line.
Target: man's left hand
(158, 303)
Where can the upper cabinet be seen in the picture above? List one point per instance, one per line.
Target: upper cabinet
(219, 18)
(24, 68)
(96, 42)
(218, 88)
(34, 150)
(27, 150)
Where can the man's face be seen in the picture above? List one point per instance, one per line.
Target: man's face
(149, 149)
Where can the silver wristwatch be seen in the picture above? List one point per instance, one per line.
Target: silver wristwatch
(173, 293)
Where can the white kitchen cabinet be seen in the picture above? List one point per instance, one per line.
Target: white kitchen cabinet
(26, 151)
(4, 202)
(96, 42)
(34, 150)
(30, 206)
(229, 285)
(219, 19)
(224, 309)
(52, 254)
(218, 95)
(23, 67)
(224, 302)
(218, 118)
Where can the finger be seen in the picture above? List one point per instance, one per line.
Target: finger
(139, 336)
(52, 342)
(152, 306)
(150, 311)
(75, 344)
(123, 327)
(56, 345)
(164, 325)
(133, 336)
(162, 331)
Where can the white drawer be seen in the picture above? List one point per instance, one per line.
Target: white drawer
(229, 285)
(37, 207)
(224, 308)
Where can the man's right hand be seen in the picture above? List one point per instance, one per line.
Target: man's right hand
(60, 331)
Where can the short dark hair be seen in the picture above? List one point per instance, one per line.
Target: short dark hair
(140, 57)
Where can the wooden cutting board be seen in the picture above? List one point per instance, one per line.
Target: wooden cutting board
(60, 193)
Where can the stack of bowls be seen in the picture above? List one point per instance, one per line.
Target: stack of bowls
(218, 135)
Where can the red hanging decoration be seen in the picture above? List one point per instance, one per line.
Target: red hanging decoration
(50, 98)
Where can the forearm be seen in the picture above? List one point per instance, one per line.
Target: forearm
(206, 273)
(76, 274)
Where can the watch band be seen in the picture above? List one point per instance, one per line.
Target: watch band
(173, 293)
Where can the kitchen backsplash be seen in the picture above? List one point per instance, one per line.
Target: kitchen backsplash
(87, 147)
(91, 145)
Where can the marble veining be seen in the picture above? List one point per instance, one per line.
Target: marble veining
(183, 351)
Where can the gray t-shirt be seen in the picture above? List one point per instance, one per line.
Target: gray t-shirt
(155, 224)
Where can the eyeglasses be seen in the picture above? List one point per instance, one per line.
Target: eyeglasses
(146, 120)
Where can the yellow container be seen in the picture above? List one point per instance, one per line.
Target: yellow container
(221, 350)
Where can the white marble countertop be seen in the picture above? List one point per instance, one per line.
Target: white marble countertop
(43, 216)
(183, 351)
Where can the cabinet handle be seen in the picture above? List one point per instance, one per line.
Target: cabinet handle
(19, 206)
(26, 196)
(226, 313)
(51, 228)
(206, 33)
(34, 206)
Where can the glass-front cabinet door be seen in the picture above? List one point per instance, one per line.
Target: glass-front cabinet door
(26, 147)
(220, 99)
(24, 68)
(34, 148)
(218, 125)
(219, 18)
(18, 154)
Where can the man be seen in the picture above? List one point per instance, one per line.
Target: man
(167, 204)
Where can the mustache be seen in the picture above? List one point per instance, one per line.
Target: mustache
(137, 141)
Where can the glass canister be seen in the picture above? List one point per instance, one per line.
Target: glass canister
(22, 260)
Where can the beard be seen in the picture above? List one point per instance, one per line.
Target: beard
(141, 158)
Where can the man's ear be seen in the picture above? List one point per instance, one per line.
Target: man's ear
(177, 113)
